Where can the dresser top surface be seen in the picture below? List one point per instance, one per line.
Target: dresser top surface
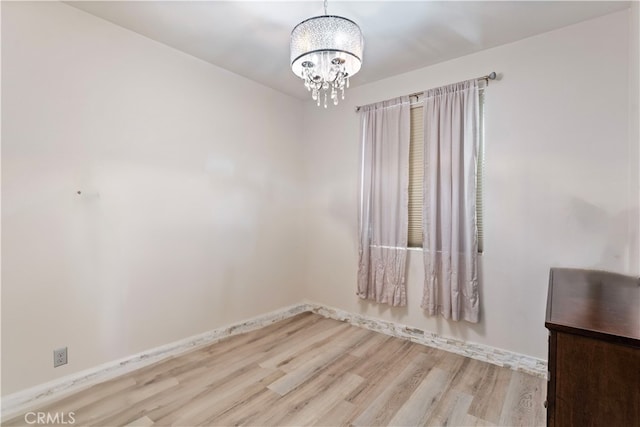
(594, 302)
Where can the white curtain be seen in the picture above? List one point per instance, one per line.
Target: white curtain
(450, 247)
(384, 201)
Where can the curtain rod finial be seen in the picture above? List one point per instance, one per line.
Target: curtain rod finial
(492, 75)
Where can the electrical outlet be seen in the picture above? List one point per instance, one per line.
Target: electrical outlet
(59, 357)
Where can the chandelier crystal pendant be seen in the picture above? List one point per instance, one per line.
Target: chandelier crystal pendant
(325, 52)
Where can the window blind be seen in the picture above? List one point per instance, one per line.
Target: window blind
(480, 178)
(416, 174)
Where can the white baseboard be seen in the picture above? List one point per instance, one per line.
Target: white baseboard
(37, 396)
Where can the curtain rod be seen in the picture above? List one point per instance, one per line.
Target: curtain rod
(491, 76)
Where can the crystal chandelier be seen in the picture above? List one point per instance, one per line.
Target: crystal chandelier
(325, 51)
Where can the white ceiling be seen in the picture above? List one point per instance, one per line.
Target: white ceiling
(251, 38)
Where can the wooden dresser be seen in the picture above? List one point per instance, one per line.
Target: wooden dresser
(593, 319)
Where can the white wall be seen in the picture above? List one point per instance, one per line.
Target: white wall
(188, 216)
(634, 129)
(556, 179)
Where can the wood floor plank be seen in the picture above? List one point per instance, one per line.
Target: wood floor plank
(380, 359)
(244, 412)
(472, 421)
(492, 389)
(266, 339)
(140, 422)
(463, 381)
(471, 374)
(418, 407)
(291, 350)
(263, 339)
(379, 367)
(196, 381)
(89, 414)
(214, 369)
(314, 410)
(346, 339)
(209, 388)
(91, 396)
(337, 415)
(336, 347)
(314, 388)
(209, 404)
(309, 370)
(522, 401)
(230, 400)
(385, 406)
(374, 341)
(295, 378)
(452, 410)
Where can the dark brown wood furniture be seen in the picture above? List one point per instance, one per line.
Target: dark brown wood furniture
(593, 319)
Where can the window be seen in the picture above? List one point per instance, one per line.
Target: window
(416, 174)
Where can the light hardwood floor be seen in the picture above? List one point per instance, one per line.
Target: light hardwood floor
(309, 370)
